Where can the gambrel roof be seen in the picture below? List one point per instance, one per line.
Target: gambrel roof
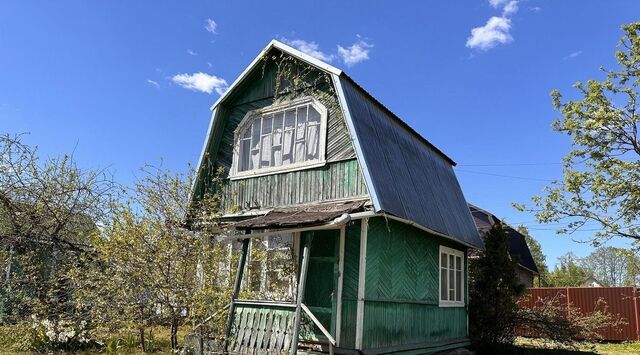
(406, 175)
(518, 247)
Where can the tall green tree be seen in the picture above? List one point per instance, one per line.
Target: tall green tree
(611, 265)
(538, 256)
(569, 272)
(601, 183)
(494, 288)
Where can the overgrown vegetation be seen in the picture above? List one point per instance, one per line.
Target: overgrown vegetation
(85, 257)
(496, 316)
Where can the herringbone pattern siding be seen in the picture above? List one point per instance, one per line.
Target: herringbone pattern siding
(402, 262)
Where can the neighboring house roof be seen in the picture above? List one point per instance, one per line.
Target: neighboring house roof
(518, 248)
(591, 282)
(405, 174)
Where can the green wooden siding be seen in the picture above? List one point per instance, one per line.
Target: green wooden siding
(401, 288)
(391, 323)
(333, 181)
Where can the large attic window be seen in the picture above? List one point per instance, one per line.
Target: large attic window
(281, 137)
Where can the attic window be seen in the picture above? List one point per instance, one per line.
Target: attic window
(279, 138)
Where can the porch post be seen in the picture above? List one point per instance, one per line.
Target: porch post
(362, 271)
(236, 289)
(340, 283)
(301, 283)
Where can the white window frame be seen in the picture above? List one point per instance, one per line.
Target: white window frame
(251, 115)
(455, 253)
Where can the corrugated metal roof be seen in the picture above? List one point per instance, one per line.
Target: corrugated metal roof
(518, 247)
(410, 178)
(311, 215)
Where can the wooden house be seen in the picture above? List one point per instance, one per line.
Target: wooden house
(518, 248)
(314, 170)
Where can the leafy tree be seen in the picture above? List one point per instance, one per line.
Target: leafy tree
(158, 262)
(538, 256)
(48, 211)
(494, 289)
(601, 181)
(610, 265)
(569, 272)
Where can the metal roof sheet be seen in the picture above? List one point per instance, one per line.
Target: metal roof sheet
(409, 177)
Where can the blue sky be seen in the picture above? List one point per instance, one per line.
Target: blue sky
(115, 79)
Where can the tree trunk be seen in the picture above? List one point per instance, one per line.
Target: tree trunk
(144, 349)
(174, 334)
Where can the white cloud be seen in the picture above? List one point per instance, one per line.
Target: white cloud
(191, 52)
(211, 26)
(153, 83)
(310, 48)
(535, 8)
(510, 8)
(497, 29)
(572, 55)
(356, 53)
(202, 82)
(497, 3)
(494, 32)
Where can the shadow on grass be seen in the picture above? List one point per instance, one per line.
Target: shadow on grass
(525, 350)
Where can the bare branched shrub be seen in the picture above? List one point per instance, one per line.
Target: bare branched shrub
(557, 323)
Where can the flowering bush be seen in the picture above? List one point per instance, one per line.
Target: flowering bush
(60, 334)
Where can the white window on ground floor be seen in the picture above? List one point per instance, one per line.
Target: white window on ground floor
(451, 277)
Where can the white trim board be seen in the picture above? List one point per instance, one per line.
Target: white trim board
(362, 272)
(371, 189)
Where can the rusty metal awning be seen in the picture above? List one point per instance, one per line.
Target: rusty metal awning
(307, 216)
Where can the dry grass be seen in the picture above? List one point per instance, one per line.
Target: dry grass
(536, 346)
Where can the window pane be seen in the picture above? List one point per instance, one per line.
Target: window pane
(443, 284)
(443, 260)
(255, 134)
(299, 152)
(246, 133)
(451, 262)
(287, 147)
(277, 128)
(267, 121)
(265, 151)
(244, 154)
(458, 285)
(313, 142)
(314, 115)
(302, 119)
(458, 263)
(290, 119)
